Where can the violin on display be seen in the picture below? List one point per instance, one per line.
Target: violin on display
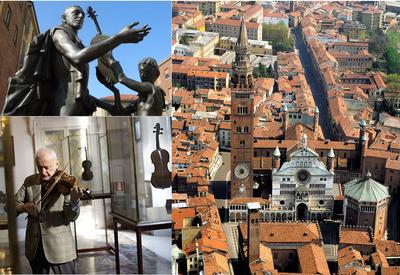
(161, 177)
(87, 173)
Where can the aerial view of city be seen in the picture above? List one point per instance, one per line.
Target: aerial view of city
(286, 137)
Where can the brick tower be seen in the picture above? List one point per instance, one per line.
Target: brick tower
(242, 105)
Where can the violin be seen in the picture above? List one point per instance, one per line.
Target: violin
(87, 173)
(62, 183)
(103, 64)
(161, 177)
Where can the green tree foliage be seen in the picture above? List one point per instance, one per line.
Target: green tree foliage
(395, 87)
(275, 32)
(393, 78)
(392, 54)
(261, 69)
(377, 44)
(279, 37)
(184, 40)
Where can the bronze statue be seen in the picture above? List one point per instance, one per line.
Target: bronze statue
(151, 100)
(54, 78)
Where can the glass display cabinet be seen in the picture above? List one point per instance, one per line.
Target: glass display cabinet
(9, 261)
(81, 147)
(139, 151)
(88, 161)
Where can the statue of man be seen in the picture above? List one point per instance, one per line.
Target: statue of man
(68, 95)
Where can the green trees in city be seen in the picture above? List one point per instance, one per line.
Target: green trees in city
(263, 71)
(279, 37)
(392, 54)
(377, 44)
(385, 47)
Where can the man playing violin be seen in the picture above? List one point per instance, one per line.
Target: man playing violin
(48, 242)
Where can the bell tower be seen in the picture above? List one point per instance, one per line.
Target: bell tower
(242, 117)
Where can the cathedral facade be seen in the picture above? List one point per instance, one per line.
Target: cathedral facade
(303, 185)
(302, 189)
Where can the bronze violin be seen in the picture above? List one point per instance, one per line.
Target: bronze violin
(102, 65)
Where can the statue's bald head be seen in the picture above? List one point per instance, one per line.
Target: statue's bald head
(74, 7)
(73, 16)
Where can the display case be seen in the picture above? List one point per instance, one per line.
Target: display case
(135, 169)
(139, 152)
(9, 250)
(5, 260)
(88, 161)
(81, 148)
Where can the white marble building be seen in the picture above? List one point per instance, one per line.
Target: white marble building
(303, 184)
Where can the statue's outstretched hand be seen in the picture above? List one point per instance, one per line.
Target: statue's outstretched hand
(129, 35)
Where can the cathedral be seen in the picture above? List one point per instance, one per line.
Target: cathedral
(303, 184)
(302, 189)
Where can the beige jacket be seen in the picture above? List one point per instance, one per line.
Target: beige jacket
(52, 224)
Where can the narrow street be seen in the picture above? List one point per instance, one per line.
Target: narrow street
(221, 181)
(314, 82)
(393, 226)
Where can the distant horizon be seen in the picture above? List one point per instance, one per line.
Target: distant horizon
(112, 17)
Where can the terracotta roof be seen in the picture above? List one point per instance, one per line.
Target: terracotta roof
(391, 270)
(124, 98)
(215, 263)
(201, 201)
(178, 124)
(380, 154)
(179, 196)
(312, 259)
(392, 164)
(237, 201)
(378, 258)
(207, 74)
(286, 232)
(351, 44)
(236, 23)
(355, 236)
(180, 215)
(388, 247)
(265, 263)
(296, 131)
(273, 143)
(349, 258)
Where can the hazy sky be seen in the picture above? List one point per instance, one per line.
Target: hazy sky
(112, 17)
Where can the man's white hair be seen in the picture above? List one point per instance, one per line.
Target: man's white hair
(46, 152)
